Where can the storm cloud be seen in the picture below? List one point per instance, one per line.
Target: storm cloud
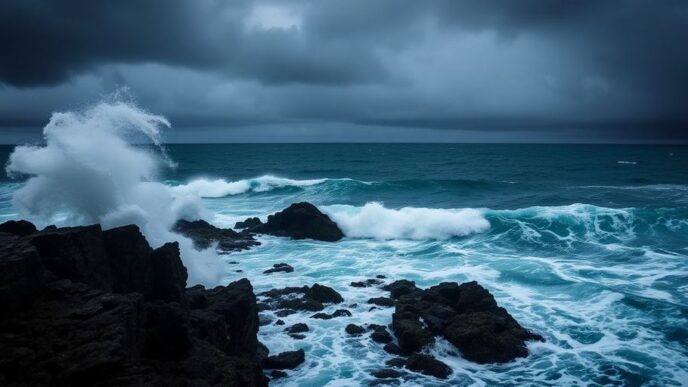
(433, 70)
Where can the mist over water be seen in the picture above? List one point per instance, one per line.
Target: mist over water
(586, 245)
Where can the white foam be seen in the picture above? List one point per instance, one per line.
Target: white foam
(373, 220)
(217, 188)
(87, 172)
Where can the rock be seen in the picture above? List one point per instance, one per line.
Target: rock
(297, 336)
(264, 320)
(18, 227)
(386, 373)
(466, 315)
(365, 284)
(337, 313)
(301, 221)
(297, 328)
(205, 235)
(248, 223)
(279, 322)
(381, 336)
(397, 362)
(380, 276)
(285, 360)
(83, 306)
(382, 301)
(392, 348)
(279, 267)
(400, 288)
(324, 294)
(284, 312)
(354, 330)
(428, 365)
(277, 374)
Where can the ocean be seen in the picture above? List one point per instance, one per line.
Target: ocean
(586, 245)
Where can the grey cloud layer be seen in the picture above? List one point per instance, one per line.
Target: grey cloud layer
(604, 69)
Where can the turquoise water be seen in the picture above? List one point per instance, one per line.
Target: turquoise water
(585, 244)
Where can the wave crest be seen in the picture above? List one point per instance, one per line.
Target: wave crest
(217, 188)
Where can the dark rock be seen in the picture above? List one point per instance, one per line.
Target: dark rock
(380, 276)
(284, 312)
(466, 315)
(327, 316)
(367, 283)
(277, 374)
(324, 294)
(301, 221)
(204, 235)
(392, 348)
(400, 288)
(297, 336)
(382, 301)
(428, 365)
(248, 223)
(354, 329)
(285, 360)
(297, 328)
(381, 336)
(302, 303)
(279, 267)
(83, 306)
(386, 373)
(264, 320)
(18, 227)
(279, 322)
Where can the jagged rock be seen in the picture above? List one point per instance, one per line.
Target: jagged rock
(285, 360)
(386, 373)
(310, 299)
(324, 294)
(327, 316)
(18, 227)
(381, 335)
(301, 221)
(381, 301)
(392, 348)
(248, 223)
(204, 235)
(279, 322)
(428, 365)
(279, 267)
(83, 306)
(365, 284)
(297, 328)
(466, 315)
(400, 288)
(354, 330)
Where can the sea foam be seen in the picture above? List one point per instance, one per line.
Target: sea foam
(217, 188)
(88, 172)
(373, 220)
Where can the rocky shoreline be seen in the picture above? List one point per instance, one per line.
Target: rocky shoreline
(86, 306)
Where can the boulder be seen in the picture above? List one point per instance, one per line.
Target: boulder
(204, 235)
(428, 365)
(301, 298)
(301, 221)
(354, 330)
(18, 227)
(248, 223)
(467, 315)
(285, 360)
(297, 328)
(386, 373)
(279, 268)
(381, 301)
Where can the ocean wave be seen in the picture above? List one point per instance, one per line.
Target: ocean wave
(373, 220)
(217, 188)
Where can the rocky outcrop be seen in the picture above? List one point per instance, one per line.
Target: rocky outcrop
(300, 298)
(83, 306)
(300, 221)
(204, 235)
(248, 223)
(467, 315)
(285, 360)
(279, 268)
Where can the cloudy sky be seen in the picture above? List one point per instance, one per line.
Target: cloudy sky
(355, 70)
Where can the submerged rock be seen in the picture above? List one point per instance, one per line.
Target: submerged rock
(279, 268)
(300, 221)
(367, 283)
(83, 306)
(327, 316)
(386, 373)
(204, 235)
(285, 360)
(466, 315)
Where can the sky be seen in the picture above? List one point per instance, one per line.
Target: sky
(355, 70)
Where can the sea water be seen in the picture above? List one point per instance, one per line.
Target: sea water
(586, 245)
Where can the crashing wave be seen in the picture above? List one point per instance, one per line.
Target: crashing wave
(217, 188)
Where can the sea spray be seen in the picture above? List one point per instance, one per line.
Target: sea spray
(87, 172)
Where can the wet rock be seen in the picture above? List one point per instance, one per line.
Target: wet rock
(279, 268)
(428, 365)
(381, 301)
(392, 348)
(277, 374)
(264, 320)
(466, 315)
(284, 312)
(302, 298)
(380, 276)
(248, 223)
(386, 373)
(285, 360)
(354, 330)
(279, 322)
(297, 336)
(297, 328)
(324, 294)
(400, 288)
(204, 235)
(327, 316)
(18, 227)
(301, 221)
(381, 336)
(397, 362)
(366, 284)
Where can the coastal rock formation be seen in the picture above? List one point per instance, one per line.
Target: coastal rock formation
(204, 235)
(300, 298)
(83, 306)
(467, 315)
(248, 223)
(300, 221)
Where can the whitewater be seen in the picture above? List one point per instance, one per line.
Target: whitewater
(578, 243)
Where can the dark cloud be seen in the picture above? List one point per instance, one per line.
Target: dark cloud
(597, 69)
